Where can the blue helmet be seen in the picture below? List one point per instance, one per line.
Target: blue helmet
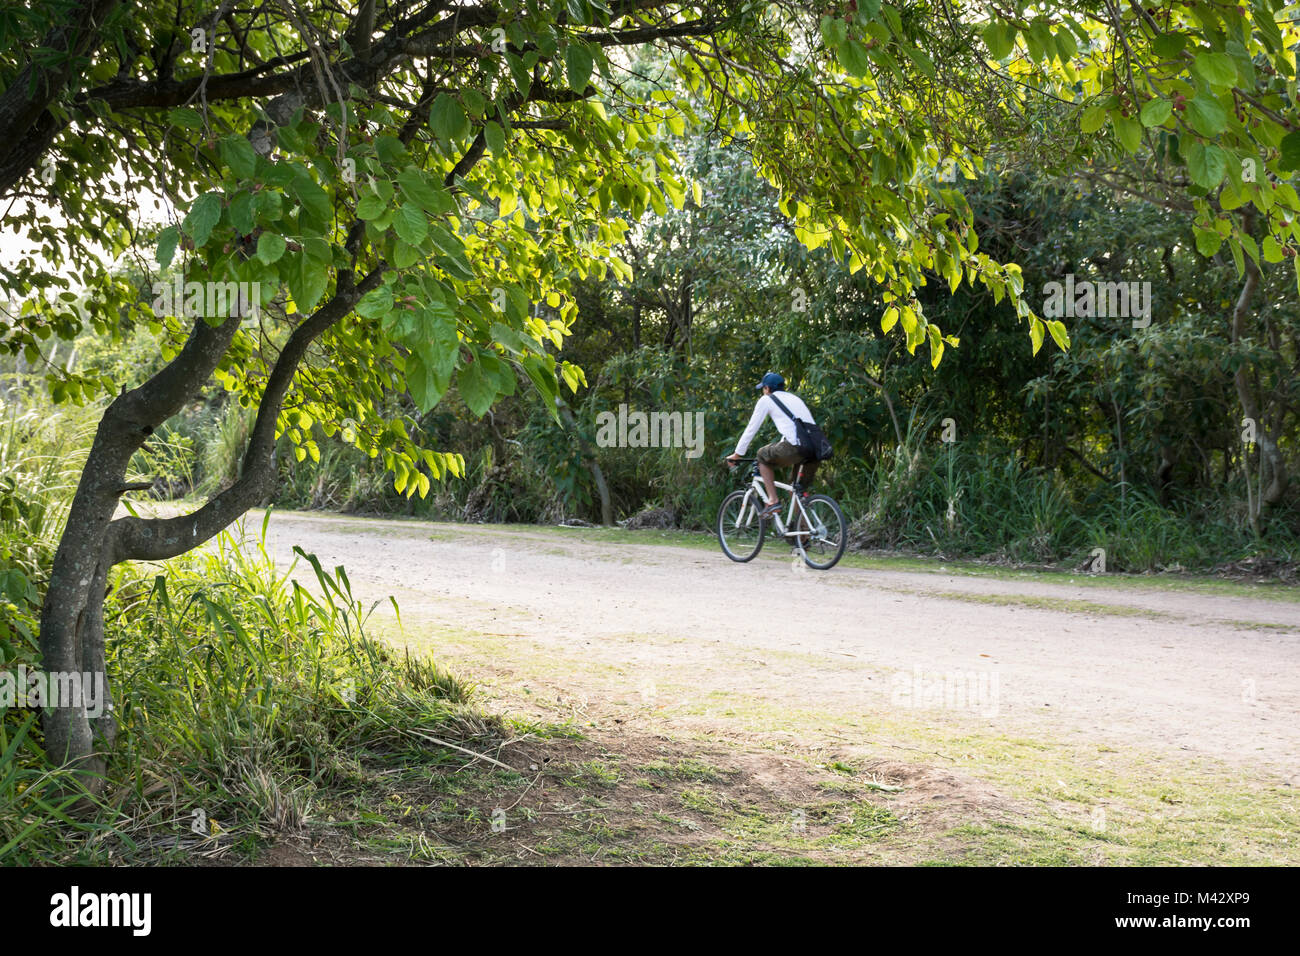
(771, 380)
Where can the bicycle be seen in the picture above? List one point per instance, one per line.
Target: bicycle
(814, 524)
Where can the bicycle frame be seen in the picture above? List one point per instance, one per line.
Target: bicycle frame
(758, 494)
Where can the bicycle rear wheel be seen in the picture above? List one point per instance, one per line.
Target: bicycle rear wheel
(823, 548)
(740, 529)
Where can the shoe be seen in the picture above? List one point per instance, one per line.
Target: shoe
(770, 510)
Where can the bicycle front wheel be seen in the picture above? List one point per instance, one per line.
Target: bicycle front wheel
(740, 529)
(824, 545)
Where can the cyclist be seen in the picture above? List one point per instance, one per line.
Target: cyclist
(786, 452)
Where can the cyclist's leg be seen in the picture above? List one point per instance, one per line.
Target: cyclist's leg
(804, 472)
(770, 457)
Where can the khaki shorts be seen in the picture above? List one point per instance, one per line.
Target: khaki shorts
(781, 454)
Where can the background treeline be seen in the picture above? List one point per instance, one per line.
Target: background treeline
(1132, 440)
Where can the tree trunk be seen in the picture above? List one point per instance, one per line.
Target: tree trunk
(72, 616)
(1270, 454)
(589, 458)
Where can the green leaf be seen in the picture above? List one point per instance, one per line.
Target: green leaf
(1128, 131)
(1238, 260)
(522, 76)
(270, 247)
(443, 348)
(1059, 335)
(854, 58)
(417, 186)
(423, 383)
(496, 138)
(371, 206)
(1168, 45)
(1290, 147)
(411, 225)
(1067, 47)
(313, 199)
(477, 388)
(307, 281)
(241, 213)
(376, 303)
(577, 66)
(429, 368)
(541, 370)
(1156, 111)
(1206, 164)
(1036, 334)
(1217, 69)
(1000, 38)
(1208, 242)
(1206, 116)
(389, 149)
(474, 102)
(203, 217)
(834, 31)
(404, 254)
(1093, 118)
(237, 153)
(318, 250)
(167, 240)
(186, 117)
(936, 346)
(579, 11)
(511, 339)
(446, 240)
(447, 119)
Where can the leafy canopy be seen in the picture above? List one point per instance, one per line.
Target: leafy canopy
(463, 166)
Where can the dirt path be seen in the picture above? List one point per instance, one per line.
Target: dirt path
(1180, 673)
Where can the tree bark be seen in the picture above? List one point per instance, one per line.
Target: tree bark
(1268, 449)
(26, 124)
(589, 457)
(72, 631)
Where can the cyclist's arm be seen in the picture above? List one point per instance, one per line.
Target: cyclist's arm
(755, 422)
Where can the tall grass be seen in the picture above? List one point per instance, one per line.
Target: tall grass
(955, 501)
(242, 691)
(42, 449)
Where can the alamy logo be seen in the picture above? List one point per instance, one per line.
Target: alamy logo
(205, 300)
(26, 687)
(951, 690)
(1103, 300)
(73, 909)
(651, 430)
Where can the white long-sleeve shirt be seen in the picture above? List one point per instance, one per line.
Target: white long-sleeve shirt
(785, 425)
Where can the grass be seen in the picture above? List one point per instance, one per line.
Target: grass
(1036, 800)
(1064, 605)
(247, 704)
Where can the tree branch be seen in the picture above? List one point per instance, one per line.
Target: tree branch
(156, 539)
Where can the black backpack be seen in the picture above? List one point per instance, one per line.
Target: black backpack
(812, 440)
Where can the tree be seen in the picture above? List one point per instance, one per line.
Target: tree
(411, 189)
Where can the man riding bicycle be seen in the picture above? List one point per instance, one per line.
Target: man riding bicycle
(783, 453)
